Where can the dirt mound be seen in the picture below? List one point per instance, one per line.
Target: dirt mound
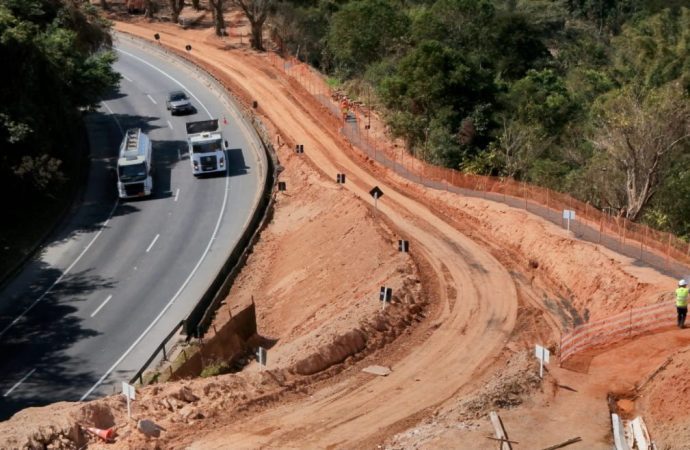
(506, 388)
(664, 401)
(586, 281)
(342, 347)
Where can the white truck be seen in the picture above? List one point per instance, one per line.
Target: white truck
(206, 147)
(134, 165)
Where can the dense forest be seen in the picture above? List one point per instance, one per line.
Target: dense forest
(588, 97)
(57, 65)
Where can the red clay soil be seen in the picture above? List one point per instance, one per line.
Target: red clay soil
(483, 283)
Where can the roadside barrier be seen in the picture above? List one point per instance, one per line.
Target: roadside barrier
(622, 326)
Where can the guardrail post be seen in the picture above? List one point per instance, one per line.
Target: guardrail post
(165, 356)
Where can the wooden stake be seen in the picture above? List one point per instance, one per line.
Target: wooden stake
(564, 444)
(502, 440)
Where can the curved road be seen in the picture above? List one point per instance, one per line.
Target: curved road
(118, 276)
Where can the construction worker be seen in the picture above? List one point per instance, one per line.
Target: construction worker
(682, 302)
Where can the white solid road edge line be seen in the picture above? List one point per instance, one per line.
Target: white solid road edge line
(102, 305)
(151, 98)
(71, 266)
(9, 391)
(167, 306)
(152, 243)
(198, 264)
(126, 78)
(131, 55)
(177, 194)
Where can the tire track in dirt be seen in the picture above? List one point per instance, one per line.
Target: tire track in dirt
(479, 306)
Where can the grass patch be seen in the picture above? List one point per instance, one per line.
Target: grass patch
(215, 368)
(333, 82)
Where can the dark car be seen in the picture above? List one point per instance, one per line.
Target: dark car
(178, 102)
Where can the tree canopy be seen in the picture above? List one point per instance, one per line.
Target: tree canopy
(59, 65)
(584, 96)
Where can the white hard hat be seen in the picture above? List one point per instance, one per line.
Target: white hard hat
(682, 283)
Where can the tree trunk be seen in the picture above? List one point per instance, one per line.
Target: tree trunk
(257, 36)
(104, 5)
(148, 9)
(256, 12)
(218, 19)
(175, 9)
(195, 5)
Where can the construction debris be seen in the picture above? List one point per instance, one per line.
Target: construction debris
(502, 440)
(619, 440)
(564, 444)
(638, 436)
(377, 370)
(500, 431)
(149, 428)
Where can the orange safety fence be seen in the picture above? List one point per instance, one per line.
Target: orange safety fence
(660, 246)
(616, 328)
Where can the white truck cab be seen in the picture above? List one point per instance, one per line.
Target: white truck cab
(134, 165)
(206, 147)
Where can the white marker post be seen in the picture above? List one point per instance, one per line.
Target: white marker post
(129, 393)
(543, 357)
(261, 357)
(385, 296)
(569, 215)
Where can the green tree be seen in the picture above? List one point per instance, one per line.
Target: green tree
(60, 66)
(654, 51)
(642, 134)
(364, 31)
(542, 98)
(432, 91)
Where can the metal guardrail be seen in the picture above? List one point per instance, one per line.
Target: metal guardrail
(161, 348)
(199, 319)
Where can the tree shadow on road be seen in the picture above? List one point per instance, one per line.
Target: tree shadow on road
(38, 339)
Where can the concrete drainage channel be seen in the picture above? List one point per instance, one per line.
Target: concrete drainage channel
(178, 355)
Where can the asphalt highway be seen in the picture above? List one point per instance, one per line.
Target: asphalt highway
(117, 276)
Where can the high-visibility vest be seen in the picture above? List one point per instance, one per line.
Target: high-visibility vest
(682, 297)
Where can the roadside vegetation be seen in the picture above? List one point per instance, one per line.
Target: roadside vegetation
(57, 66)
(588, 97)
